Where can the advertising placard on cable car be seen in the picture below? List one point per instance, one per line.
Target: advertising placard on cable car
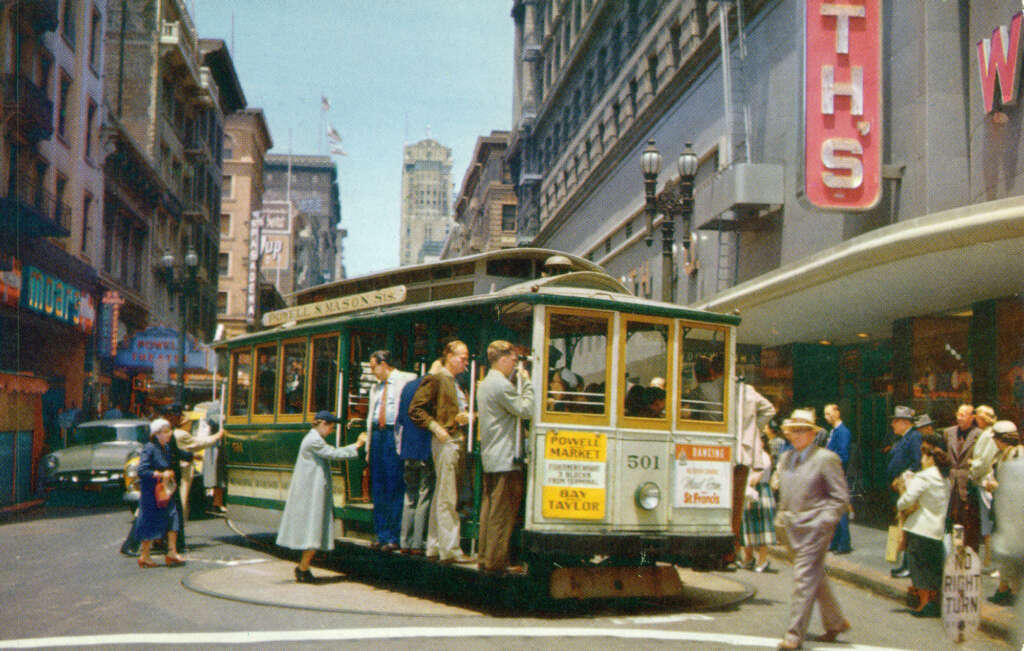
(961, 594)
(703, 475)
(575, 475)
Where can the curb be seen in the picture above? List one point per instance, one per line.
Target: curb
(994, 621)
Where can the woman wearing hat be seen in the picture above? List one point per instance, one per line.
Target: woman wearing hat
(307, 523)
(156, 466)
(1008, 443)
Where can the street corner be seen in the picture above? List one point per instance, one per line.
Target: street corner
(272, 583)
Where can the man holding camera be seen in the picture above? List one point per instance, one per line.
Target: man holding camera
(501, 404)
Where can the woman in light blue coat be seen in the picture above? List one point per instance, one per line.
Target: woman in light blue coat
(308, 519)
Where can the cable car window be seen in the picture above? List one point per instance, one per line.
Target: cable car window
(702, 381)
(293, 377)
(323, 394)
(577, 363)
(646, 366)
(241, 382)
(266, 380)
(361, 378)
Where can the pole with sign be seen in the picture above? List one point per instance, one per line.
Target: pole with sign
(961, 589)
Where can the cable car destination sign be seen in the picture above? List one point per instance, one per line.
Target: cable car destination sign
(334, 306)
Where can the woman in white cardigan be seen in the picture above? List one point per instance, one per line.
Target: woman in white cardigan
(925, 498)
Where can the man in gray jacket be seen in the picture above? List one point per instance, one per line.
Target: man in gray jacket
(501, 405)
(812, 497)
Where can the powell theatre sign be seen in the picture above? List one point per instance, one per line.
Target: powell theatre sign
(843, 104)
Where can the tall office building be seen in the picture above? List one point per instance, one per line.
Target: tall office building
(426, 201)
(311, 184)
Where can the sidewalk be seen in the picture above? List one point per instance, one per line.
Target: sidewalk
(867, 568)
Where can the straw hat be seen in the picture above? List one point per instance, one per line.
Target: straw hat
(800, 419)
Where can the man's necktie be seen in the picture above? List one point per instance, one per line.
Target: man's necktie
(382, 420)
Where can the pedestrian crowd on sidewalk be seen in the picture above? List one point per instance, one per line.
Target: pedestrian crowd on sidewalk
(947, 479)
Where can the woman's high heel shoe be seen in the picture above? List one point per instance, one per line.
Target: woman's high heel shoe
(145, 562)
(173, 560)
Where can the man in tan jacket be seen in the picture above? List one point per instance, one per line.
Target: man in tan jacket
(441, 407)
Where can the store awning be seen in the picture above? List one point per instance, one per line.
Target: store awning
(937, 263)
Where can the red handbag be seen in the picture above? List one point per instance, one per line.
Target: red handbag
(164, 491)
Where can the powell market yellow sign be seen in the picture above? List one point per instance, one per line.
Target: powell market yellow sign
(333, 306)
(575, 475)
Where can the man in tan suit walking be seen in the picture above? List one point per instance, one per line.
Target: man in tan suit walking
(812, 497)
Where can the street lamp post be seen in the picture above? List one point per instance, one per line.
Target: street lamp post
(185, 287)
(668, 204)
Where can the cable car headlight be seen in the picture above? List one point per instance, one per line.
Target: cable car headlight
(647, 496)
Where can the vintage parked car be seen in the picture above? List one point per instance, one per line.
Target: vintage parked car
(96, 455)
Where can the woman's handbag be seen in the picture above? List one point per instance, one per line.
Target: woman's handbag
(893, 543)
(164, 491)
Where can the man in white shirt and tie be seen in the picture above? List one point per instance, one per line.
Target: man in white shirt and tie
(387, 488)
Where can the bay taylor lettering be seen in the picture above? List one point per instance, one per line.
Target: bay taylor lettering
(575, 475)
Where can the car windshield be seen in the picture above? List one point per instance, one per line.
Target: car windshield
(90, 434)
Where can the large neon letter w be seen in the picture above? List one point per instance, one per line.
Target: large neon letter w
(999, 58)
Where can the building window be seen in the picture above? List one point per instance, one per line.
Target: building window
(229, 149)
(508, 217)
(632, 96)
(629, 229)
(86, 207)
(62, 103)
(95, 29)
(90, 117)
(608, 246)
(652, 72)
(225, 225)
(226, 187)
(222, 303)
(224, 263)
(68, 18)
(62, 211)
(675, 41)
(45, 68)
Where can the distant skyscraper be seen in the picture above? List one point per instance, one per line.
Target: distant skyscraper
(426, 201)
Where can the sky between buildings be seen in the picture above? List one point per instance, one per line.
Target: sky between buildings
(390, 70)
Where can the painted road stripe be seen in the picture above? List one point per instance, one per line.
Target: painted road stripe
(349, 634)
(663, 619)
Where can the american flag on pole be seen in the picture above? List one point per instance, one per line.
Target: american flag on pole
(333, 135)
(338, 151)
(324, 104)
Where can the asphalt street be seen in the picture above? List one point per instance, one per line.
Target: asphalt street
(67, 585)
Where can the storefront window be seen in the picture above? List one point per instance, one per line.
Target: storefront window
(577, 363)
(241, 382)
(646, 364)
(702, 378)
(293, 377)
(323, 392)
(266, 380)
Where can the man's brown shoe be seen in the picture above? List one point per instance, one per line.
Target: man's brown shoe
(830, 636)
(788, 644)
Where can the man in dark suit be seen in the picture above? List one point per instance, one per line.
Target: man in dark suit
(812, 497)
(905, 454)
(839, 442)
(963, 500)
